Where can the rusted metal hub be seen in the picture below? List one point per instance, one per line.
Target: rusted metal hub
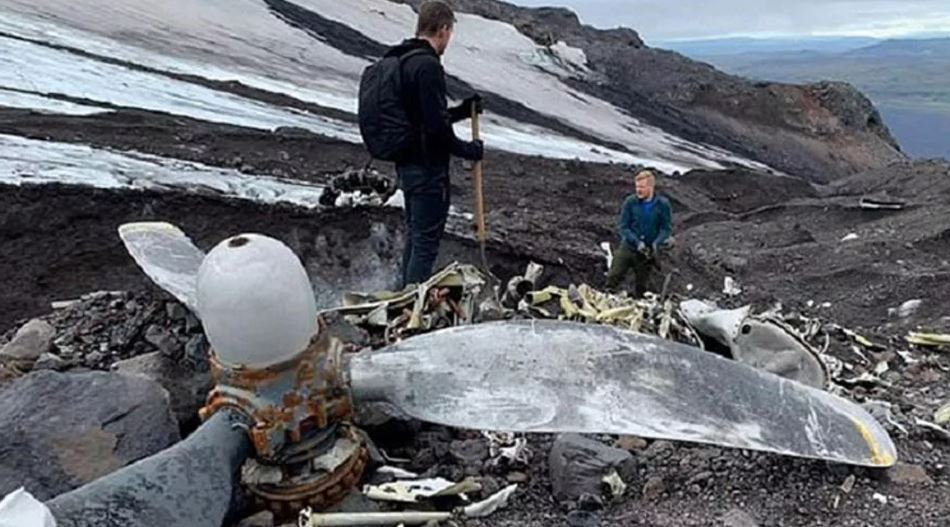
(313, 480)
(288, 401)
(307, 453)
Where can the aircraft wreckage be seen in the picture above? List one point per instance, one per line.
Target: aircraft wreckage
(279, 420)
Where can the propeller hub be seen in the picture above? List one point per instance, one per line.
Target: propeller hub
(300, 411)
(256, 301)
(272, 363)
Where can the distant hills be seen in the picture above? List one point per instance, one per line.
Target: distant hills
(908, 79)
(733, 46)
(931, 47)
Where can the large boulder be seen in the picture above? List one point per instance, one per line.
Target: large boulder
(59, 431)
(187, 385)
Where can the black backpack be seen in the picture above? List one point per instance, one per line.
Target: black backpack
(384, 123)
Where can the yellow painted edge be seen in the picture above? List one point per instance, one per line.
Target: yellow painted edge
(878, 457)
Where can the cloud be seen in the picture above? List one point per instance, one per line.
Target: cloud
(682, 19)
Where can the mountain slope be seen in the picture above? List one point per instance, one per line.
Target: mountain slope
(909, 80)
(555, 88)
(254, 43)
(819, 131)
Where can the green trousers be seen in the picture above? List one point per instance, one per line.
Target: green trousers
(625, 260)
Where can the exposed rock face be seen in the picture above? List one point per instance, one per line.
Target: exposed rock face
(59, 431)
(821, 131)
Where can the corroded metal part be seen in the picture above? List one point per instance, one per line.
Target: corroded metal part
(320, 481)
(287, 402)
(306, 452)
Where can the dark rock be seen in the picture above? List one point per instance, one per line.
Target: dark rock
(59, 431)
(578, 465)
(386, 424)
(261, 519)
(6, 375)
(654, 487)
(583, 519)
(197, 352)
(699, 478)
(451, 472)
(162, 339)
(907, 474)
(187, 388)
(659, 450)
(424, 461)
(631, 443)
(517, 477)
(32, 340)
(438, 439)
(739, 518)
(356, 501)
(292, 132)
(337, 326)
(469, 452)
(590, 502)
(48, 361)
(490, 486)
(175, 311)
(94, 359)
(192, 324)
(735, 264)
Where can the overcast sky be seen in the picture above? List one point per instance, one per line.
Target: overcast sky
(687, 19)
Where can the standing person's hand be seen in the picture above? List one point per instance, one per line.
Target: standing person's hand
(464, 110)
(642, 247)
(475, 150)
(473, 104)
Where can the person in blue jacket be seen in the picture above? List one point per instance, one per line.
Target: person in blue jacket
(646, 225)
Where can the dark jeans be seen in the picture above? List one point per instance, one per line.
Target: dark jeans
(426, 191)
(625, 260)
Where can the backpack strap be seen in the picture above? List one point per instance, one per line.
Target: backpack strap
(406, 56)
(412, 53)
(405, 96)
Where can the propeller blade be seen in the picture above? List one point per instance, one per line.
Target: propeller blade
(551, 377)
(189, 484)
(167, 256)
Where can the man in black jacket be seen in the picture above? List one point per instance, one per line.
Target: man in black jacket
(423, 170)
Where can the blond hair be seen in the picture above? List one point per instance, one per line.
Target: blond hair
(645, 174)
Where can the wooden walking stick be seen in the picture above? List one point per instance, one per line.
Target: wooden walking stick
(482, 233)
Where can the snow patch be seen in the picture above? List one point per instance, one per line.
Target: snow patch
(40, 69)
(242, 40)
(224, 40)
(38, 103)
(30, 161)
